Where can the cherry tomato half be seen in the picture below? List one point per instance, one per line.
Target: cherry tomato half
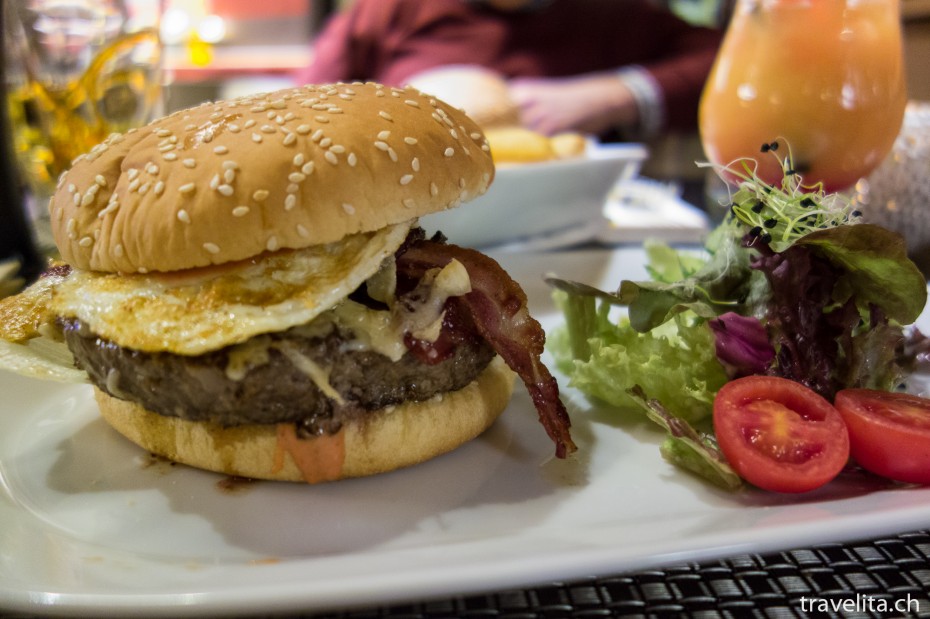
(779, 435)
(889, 433)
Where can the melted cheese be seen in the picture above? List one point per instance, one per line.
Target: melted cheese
(200, 311)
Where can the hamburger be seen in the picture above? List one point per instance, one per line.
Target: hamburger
(245, 286)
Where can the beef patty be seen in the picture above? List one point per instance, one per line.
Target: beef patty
(274, 390)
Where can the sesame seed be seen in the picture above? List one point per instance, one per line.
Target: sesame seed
(392, 154)
(76, 199)
(415, 164)
(134, 185)
(163, 133)
(184, 216)
(321, 119)
(144, 188)
(71, 188)
(229, 164)
(234, 128)
(303, 129)
(102, 182)
(118, 250)
(212, 248)
(290, 202)
(272, 244)
(220, 150)
(189, 163)
(352, 159)
(383, 135)
(249, 123)
(317, 135)
(382, 146)
(296, 177)
(331, 157)
(308, 167)
(410, 140)
(454, 133)
(449, 152)
(257, 138)
(86, 241)
(412, 103)
(170, 156)
(151, 168)
(159, 188)
(409, 203)
(260, 195)
(166, 148)
(240, 211)
(326, 142)
(132, 174)
(298, 160)
(385, 115)
(187, 188)
(229, 176)
(433, 189)
(348, 208)
(215, 181)
(303, 232)
(405, 179)
(475, 135)
(226, 190)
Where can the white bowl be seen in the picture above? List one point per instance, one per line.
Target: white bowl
(535, 199)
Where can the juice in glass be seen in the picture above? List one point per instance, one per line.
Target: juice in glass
(824, 76)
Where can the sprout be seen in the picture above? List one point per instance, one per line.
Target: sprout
(780, 215)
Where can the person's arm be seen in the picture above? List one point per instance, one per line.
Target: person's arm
(628, 100)
(660, 90)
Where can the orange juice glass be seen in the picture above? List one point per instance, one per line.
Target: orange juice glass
(824, 77)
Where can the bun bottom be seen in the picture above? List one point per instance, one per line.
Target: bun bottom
(384, 440)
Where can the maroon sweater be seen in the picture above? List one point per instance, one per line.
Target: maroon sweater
(391, 40)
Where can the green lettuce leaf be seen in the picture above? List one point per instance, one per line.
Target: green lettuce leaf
(604, 357)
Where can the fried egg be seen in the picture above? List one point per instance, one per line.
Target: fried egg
(194, 312)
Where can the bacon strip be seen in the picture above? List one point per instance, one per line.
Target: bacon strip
(499, 310)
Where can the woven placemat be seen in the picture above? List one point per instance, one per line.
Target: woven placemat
(866, 579)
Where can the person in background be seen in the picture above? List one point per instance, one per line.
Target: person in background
(627, 69)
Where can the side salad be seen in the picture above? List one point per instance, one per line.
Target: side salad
(749, 353)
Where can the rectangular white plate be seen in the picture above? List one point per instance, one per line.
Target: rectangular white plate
(90, 524)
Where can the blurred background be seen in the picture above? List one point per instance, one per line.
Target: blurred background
(221, 48)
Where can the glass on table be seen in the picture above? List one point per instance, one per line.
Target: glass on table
(76, 71)
(824, 77)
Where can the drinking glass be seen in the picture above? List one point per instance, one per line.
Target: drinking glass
(76, 71)
(823, 77)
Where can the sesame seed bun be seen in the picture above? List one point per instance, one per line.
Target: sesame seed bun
(386, 440)
(299, 167)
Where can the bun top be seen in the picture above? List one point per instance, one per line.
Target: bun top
(226, 181)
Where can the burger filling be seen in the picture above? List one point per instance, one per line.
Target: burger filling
(317, 376)
(428, 322)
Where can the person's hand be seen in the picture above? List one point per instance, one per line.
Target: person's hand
(591, 104)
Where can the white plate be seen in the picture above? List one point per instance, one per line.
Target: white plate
(534, 199)
(91, 526)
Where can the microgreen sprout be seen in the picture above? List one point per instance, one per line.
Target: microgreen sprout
(781, 214)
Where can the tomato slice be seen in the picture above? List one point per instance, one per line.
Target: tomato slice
(889, 433)
(779, 435)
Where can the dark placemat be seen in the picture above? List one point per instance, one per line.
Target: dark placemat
(863, 579)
